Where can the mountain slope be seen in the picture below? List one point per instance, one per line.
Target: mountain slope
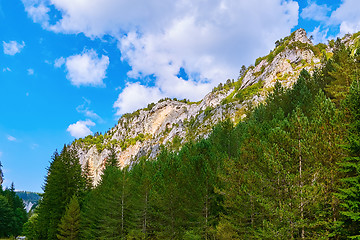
(171, 122)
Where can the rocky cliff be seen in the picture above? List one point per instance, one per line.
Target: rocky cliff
(171, 122)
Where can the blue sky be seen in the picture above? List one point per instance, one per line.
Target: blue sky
(71, 68)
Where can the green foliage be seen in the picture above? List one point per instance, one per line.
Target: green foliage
(258, 60)
(339, 72)
(6, 216)
(12, 213)
(64, 179)
(349, 193)
(70, 223)
(272, 176)
(30, 228)
(355, 35)
(248, 92)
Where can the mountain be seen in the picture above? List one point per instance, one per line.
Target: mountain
(30, 199)
(171, 122)
(288, 168)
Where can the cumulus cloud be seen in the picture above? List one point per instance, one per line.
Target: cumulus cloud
(11, 138)
(347, 15)
(316, 12)
(13, 47)
(136, 96)
(210, 40)
(80, 128)
(37, 11)
(86, 68)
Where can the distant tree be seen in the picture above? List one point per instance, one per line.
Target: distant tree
(242, 71)
(18, 211)
(112, 159)
(70, 223)
(29, 229)
(88, 177)
(6, 215)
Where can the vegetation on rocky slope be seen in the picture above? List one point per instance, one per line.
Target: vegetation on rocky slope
(289, 170)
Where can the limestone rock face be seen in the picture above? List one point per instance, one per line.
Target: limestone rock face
(171, 122)
(285, 65)
(160, 125)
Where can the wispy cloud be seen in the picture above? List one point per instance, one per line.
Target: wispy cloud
(30, 71)
(13, 47)
(59, 62)
(34, 146)
(85, 109)
(6, 69)
(11, 138)
(316, 12)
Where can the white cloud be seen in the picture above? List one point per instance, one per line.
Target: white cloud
(37, 11)
(319, 35)
(316, 12)
(30, 71)
(7, 69)
(210, 40)
(59, 62)
(80, 128)
(136, 96)
(13, 47)
(347, 15)
(11, 138)
(87, 69)
(84, 109)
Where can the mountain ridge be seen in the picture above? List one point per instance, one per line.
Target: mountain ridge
(172, 122)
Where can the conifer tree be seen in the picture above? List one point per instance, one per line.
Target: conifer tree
(1, 175)
(88, 177)
(6, 215)
(350, 191)
(70, 222)
(64, 179)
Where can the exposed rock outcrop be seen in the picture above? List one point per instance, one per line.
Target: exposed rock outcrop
(171, 122)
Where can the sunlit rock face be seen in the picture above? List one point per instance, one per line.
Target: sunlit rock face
(172, 122)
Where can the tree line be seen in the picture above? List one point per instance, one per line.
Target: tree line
(291, 170)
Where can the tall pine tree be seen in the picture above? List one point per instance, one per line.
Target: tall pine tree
(350, 191)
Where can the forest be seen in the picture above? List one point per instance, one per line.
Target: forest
(290, 170)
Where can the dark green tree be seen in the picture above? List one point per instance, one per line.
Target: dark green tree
(349, 193)
(6, 216)
(70, 223)
(64, 179)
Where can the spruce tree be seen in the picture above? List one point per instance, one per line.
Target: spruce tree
(349, 193)
(6, 216)
(64, 179)
(1, 175)
(70, 223)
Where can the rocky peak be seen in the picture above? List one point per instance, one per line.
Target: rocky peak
(284, 63)
(300, 35)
